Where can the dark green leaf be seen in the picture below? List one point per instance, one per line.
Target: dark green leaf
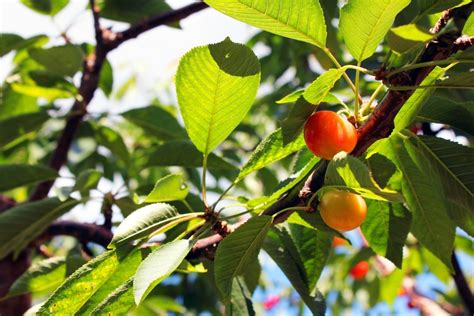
(41, 277)
(113, 141)
(381, 169)
(345, 170)
(20, 127)
(156, 121)
(131, 11)
(240, 301)
(386, 228)
(9, 42)
(12, 176)
(48, 7)
(184, 153)
(237, 250)
(283, 251)
(269, 150)
(314, 247)
(423, 192)
(24, 222)
(416, 101)
(293, 124)
(106, 79)
(63, 60)
(87, 180)
(446, 111)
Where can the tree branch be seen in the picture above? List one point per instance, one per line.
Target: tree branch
(462, 285)
(106, 42)
(116, 39)
(95, 15)
(81, 231)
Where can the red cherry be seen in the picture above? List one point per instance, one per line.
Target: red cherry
(359, 271)
(326, 134)
(411, 305)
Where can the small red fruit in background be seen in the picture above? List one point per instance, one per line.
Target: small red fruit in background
(338, 241)
(271, 301)
(359, 271)
(326, 134)
(411, 305)
(342, 210)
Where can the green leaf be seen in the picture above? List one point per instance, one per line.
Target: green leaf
(446, 111)
(19, 127)
(48, 7)
(252, 275)
(465, 79)
(131, 11)
(237, 250)
(468, 28)
(49, 94)
(404, 38)
(14, 104)
(216, 86)
(455, 167)
(364, 23)
(283, 187)
(106, 78)
(170, 188)
(44, 84)
(42, 276)
(423, 192)
(292, 97)
(87, 180)
(113, 141)
(381, 169)
(118, 302)
(314, 247)
(435, 266)
(345, 170)
(293, 124)
(283, 251)
(24, 222)
(9, 42)
(319, 89)
(82, 284)
(426, 7)
(416, 101)
(312, 220)
(143, 222)
(302, 20)
(63, 60)
(16, 175)
(123, 272)
(184, 153)
(269, 150)
(390, 286)
(158, 266)
(240, 301)
(386, 228)
(156, 121)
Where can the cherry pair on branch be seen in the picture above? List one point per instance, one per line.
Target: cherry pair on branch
(326, 134)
